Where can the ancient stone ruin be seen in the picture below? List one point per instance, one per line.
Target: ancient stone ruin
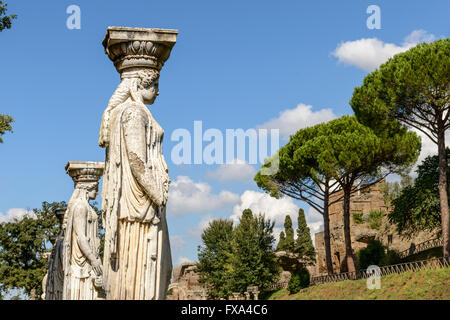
(291, 263)
(362, 203)
(185, 285)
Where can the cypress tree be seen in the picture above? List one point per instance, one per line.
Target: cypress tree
(281, 242)
(289, 231)
(304, 243)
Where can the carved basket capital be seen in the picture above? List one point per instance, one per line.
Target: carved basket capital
(139, 47)
(85, 171)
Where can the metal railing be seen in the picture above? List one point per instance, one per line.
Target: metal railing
(434, 263)
(413, 249)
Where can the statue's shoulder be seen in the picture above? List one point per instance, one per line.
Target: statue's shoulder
(80, 206)
(134, 111)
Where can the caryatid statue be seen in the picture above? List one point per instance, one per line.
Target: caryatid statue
(54, 279)
(81, 262)
(137, 261)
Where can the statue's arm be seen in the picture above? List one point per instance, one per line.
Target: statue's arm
(134, 124)
(79, 226)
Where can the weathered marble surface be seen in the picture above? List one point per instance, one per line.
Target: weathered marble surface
(54, 279)
(81, 263)
(137, 260)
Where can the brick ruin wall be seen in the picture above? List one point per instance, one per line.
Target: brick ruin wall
(365, 201)
(185, 285)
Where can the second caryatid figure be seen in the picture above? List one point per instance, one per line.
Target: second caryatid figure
(81, 261)
(137, 260)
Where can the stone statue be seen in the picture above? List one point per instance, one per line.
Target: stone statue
(81, 262)
(46, 255)
(137, 259)
(54, 279)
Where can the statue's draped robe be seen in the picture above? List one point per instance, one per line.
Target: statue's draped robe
(55, 276)
(79, 276)
(137, 259)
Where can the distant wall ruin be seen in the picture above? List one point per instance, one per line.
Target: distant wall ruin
(185, 285)
(361, 202)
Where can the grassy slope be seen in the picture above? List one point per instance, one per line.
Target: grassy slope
(424, 284)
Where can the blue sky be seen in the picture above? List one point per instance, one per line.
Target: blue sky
(236, 64)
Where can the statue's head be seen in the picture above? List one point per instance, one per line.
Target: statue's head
(147, 85)
(90, 188)
(93, 191)
(137, 85)
(60, 215)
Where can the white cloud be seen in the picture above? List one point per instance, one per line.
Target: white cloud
(291, 120)
(369, 53)
(177, 243)
(16, 214)
(419, 36)
(276, 234)
(314, 220)
(196, 232)
(428, 148)
(314, 228)
(312, 216)
(274, 209)
(182, 260)
(186, 196)
(238, 170)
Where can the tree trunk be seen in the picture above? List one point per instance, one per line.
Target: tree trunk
(326, 232)
(443, 199)
(347, 236)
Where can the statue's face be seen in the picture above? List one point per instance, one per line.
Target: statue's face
(150, 93)
(92, 193)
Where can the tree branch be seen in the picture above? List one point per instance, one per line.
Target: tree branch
(416, 125)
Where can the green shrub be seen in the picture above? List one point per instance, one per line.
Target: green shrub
(390, 258)
(375, 219)
(373, 254)
(358, 217)
(298, 281)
